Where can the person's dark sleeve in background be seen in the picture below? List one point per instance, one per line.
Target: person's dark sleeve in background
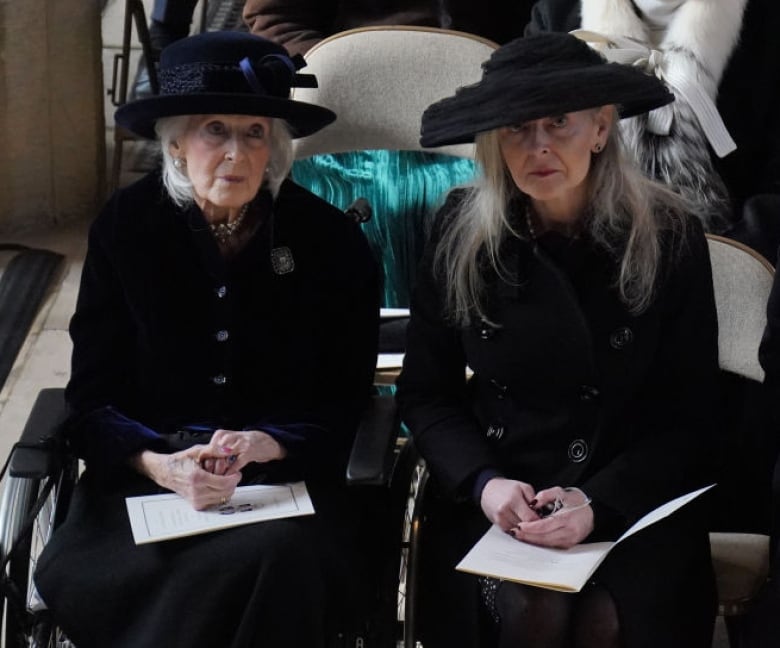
(295, 24)
(553, 16)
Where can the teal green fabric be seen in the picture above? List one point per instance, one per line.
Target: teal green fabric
(404, 189)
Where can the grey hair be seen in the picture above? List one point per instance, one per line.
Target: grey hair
(176, 181)
(628, 210)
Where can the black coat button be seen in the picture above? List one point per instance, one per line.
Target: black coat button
(220, 291)
(219, 379)
(486, 330)
(578, 450)
(222, 335)
(588, 393)
(621, 338)
(500, 389)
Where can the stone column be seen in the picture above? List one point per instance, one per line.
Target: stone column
(52, 131)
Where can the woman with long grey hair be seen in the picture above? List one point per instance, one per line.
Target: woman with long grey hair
(561, 360)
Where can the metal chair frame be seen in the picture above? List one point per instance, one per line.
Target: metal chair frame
(118, 91)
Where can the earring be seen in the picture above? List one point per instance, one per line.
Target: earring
(179, 163)
(597, 148)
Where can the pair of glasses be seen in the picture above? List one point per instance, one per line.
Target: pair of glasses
(229, 509)
(558, 505)
(550, 508)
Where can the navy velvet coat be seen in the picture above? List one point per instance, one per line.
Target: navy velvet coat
(570, 389)
(167, 333)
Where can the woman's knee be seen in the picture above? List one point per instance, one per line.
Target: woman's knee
(596, 622)
(531, 614)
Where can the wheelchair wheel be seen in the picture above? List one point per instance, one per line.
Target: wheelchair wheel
(408, 485)
(27, 621)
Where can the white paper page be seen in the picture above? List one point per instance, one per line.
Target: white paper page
(167, 516)
(499, 555)
(389, 360)
(663, 511)
(385, 313)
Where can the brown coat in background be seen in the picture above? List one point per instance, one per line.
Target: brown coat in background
(299, 24)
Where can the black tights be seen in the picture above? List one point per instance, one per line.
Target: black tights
(532, 617)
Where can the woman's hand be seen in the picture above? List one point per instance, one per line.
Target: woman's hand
(182, 473)
(229, 451)
(507, 502)
(569, 524)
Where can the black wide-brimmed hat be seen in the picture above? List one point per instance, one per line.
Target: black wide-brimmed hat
(226, 73)
(539, 76)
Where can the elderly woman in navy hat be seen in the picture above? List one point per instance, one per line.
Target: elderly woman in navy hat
(225, 333)
(578, 292)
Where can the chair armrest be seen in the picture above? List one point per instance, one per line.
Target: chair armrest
(37, 455)
(371, 458)
(392, 334)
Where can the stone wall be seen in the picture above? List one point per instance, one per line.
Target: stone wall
(52, 150)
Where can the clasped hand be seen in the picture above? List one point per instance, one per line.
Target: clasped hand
(207, 475)
(229, 451)
(522, 512)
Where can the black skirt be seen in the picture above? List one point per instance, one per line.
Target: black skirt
(288, 582)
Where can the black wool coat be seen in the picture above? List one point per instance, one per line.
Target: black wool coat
(168, 333)
(570, 388)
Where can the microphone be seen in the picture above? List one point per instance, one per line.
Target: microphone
(360, 211)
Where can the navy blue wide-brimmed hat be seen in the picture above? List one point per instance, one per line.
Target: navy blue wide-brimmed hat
(226, 73)
(539, 76)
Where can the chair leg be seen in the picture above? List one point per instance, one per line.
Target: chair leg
(150, 56)
(116, 162)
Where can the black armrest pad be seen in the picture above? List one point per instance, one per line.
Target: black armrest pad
(392, 334)
(372, 451)
(38, 453)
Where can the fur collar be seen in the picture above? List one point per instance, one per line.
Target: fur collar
(699, 38)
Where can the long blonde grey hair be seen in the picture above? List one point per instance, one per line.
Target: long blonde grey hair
(627, 210)
(178, 184)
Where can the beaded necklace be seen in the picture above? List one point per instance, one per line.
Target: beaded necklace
(223, 231)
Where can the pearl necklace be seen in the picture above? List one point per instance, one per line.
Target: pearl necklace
(223, 231)
(529, 222)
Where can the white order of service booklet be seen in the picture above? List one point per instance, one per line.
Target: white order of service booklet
(500, 555)
(168, 516)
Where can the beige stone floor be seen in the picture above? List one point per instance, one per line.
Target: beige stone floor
(44, 359)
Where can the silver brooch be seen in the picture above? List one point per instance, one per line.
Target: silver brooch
(282, 260)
